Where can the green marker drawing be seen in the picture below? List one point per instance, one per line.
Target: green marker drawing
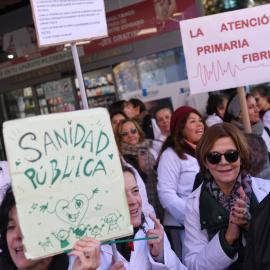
(34, 206)
(112, 220)
(73, 211)
(45, 244)
(98, 207)
(62, 236)
(96, 231)
(80, 231)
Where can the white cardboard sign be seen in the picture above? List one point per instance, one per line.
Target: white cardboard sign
(60, 22)
(67, 180)
(227, 50)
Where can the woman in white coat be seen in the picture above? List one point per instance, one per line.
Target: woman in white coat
(218, 213)
(152, 254)
(178, 166)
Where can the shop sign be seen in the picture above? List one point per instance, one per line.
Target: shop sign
(67, 179)
(143, 20)
(227, 50)
(61, 22)
(126, 25)
(62, 66)
(18, 66)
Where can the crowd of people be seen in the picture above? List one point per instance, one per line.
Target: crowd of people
(201, 176)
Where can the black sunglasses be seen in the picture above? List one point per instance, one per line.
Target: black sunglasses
(215, 157)
(132, 131)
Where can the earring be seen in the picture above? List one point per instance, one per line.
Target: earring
(207, 175)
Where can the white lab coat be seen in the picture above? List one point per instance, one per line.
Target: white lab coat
(175, 182)
(200, 254)
(141, 258)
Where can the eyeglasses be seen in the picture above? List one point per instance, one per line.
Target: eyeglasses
(132, 131)
(215, 157)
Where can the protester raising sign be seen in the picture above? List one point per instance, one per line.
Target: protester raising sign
(67, 180)
(227, 50)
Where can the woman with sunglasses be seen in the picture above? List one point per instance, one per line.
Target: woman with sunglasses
(218, 213)
(136, 150)
(178, 166)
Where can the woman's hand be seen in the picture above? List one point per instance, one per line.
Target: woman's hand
(239, 217)
(156, 245)
(87, 251)
(233, 231)
(240, 210)
(117, 266)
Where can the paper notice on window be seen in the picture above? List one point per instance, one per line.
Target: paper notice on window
(65, 21)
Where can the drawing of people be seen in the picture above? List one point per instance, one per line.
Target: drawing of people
(80, 231)
(96, 231)
(112, 221)
(62, 236)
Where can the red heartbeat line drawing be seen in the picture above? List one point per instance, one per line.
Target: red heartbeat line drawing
(206, 75)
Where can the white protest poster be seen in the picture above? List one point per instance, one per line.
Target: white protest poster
(227, 50)
(60, 22)
(67, 180)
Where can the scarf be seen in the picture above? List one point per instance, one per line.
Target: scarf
(143, 147)
(256, 128)
(126, 248)
(140, 118)
(226, 201)
(151, 179)
(187, 147)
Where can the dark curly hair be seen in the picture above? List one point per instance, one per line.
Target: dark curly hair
(137, 102)
(5, 208)
(214, 102)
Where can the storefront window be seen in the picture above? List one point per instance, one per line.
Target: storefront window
(149, 71)
(56, 96)
(20, 103)
(99, 87)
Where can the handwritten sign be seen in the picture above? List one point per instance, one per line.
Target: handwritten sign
(67, 180)
(227, 50)
(59, 22)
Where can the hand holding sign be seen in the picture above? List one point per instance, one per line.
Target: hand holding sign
(66, 176)
(87, 251)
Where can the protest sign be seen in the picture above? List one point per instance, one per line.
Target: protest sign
(60, 22)
(67, 180)
(227, 50)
